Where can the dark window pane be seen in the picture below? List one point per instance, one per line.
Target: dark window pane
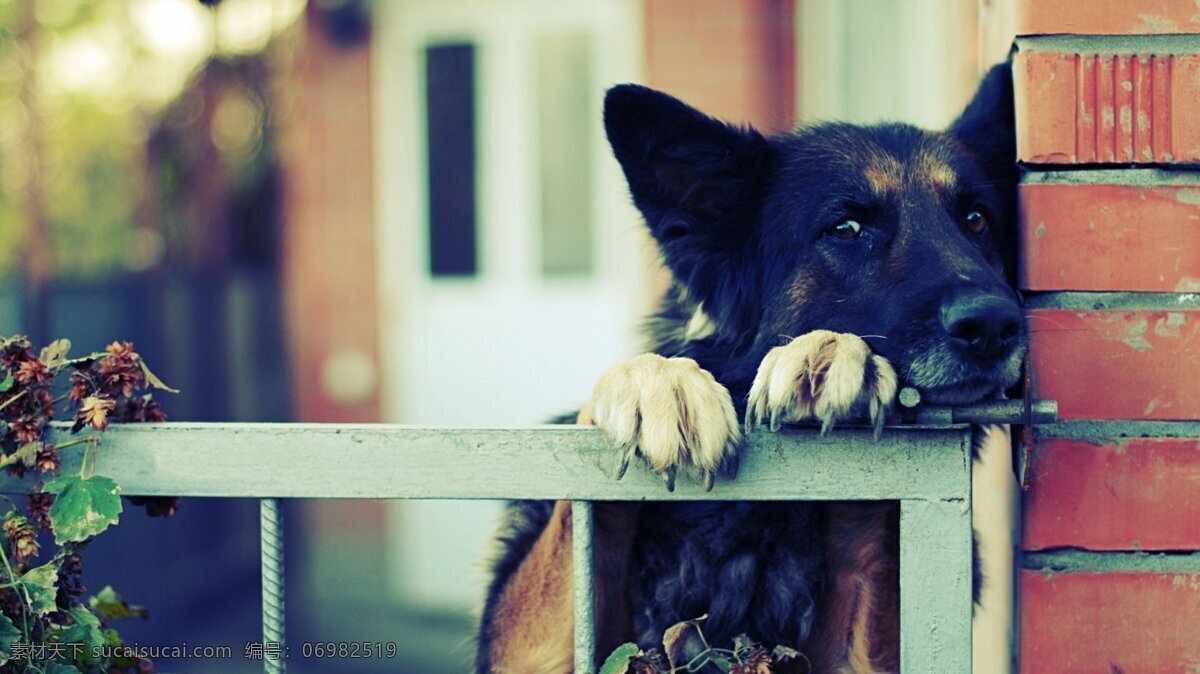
(450, 96)
(566, 115)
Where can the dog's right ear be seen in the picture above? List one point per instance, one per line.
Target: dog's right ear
(697, 181)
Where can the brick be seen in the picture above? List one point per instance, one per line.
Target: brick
(1106, 17)
(1106, 236)
(1085, 107)
(1123, 494)
(1117, 364)
(1132, 623)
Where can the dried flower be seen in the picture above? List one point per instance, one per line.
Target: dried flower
(70, 581)
(27, 429)
(95, 411)
(47, 459)
(38, 503)
(757, 662)
(81, 386)
(22, 538)
(32, 372)
(120, 373)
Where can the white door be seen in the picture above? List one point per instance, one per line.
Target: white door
(511, 261)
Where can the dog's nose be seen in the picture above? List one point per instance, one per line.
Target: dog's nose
(982, 325)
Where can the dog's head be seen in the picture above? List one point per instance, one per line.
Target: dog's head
(902, 236)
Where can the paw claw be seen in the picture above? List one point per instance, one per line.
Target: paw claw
(825, 376)
(624, 464)
(732, 464)
(776, 414)
(670, 412)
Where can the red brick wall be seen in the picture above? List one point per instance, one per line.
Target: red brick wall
(1108, 94)
(329, 275)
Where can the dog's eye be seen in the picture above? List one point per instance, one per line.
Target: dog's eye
(845, 230)
(976, 222)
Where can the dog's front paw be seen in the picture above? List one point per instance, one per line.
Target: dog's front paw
(822, 375)
(670, 411)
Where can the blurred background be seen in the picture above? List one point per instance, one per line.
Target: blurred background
(400, 211)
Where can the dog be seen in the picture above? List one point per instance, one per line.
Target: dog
(814, 273)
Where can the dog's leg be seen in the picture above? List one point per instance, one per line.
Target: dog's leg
(671, 412)
(830, 377)
(532, 623)
(822, 375)
(533, 620)
(858, 623)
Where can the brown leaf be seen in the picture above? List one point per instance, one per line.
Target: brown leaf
(676, 638)
(55, 353)
(153, 380)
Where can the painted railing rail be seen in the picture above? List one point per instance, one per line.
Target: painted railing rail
(925, 468)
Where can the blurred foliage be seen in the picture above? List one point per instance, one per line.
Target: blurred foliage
(129, 99)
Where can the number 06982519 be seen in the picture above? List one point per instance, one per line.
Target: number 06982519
(348, 649)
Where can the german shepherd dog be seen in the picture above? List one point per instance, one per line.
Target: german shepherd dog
(814, 273)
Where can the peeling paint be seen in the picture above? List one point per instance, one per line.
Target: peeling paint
(1188, 196)
(1153, 405)
(1169, 325)
(1188, 284)
(1135, 338)
(1159, 24)
(1041, 229)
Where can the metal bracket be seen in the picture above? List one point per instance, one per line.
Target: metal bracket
(990, 412)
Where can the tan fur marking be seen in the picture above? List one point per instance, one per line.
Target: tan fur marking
(932, 169)
(858, 623)
(885, 174)
(700, 325)
(534, 619)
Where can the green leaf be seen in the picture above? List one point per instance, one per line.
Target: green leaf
(26, 454)
(85, 631)
(9, 635)
(618, 662)
(7, 383)
(84, 506)
(59, 668)
(783, 654)
(40, 582)
(110, 605)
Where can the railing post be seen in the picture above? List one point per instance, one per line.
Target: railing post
(271, 534)
(582, 529)
(935, 586)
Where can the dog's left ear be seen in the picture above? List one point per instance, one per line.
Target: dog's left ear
(988, 127)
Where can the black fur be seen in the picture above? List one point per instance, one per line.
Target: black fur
(742, 221)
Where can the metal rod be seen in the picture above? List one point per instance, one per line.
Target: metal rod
(582, 529)
(271, 534)
(996, 412)
(990, 412)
